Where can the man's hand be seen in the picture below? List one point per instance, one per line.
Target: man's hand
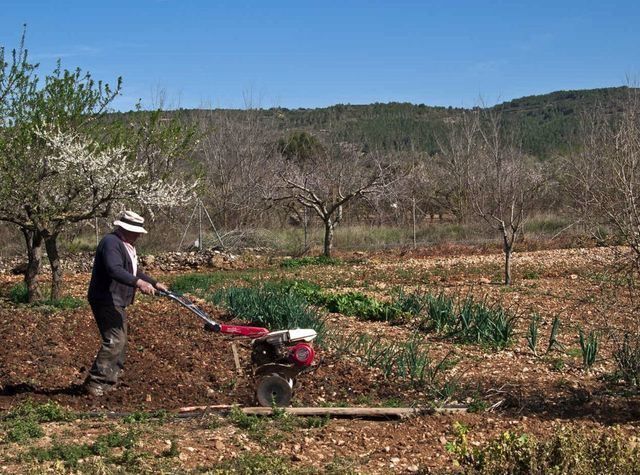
(161, 286)
(145, 287)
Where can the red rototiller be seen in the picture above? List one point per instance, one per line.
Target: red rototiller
(278, 357)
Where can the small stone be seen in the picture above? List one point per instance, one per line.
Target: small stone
(573, 276)
(395, 460)
(413, 468)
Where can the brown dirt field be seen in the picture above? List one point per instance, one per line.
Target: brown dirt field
(173, 363)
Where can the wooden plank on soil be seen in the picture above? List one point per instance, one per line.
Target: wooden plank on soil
(363, 412)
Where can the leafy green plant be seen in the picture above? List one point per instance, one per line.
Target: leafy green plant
(23, 421)
(627, 357)
(567, 451)
(272, 305)
(70, 454)
(113, 439)
(468, 321)
(441, 316)
(20, 430)
(19, 293)
(588, 348)
(554, 344)
(410, 360)
(245, 421)
(362, 306)
(532, 334)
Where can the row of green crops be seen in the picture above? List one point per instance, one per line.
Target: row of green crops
(410, 360)
(272, 305)
(467, 320)
(290, 304)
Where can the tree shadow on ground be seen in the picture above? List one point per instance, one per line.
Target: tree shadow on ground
(603, 403)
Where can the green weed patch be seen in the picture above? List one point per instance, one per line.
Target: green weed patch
(18, 294)
(71, 454)
(568, 451)
(23, 422)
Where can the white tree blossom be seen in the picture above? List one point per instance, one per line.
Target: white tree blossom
(79, 179)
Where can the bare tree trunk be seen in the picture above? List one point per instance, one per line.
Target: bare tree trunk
(413, 220)
(33, 240)
(328, 237)
(507, 248)
(51, 243)
(305, 222)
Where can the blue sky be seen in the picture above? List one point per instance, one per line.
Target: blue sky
(310, 54)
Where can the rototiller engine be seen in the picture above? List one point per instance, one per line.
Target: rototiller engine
(278, 357)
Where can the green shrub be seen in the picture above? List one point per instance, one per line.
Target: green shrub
(70, 454)
(413, 303)
(19, 293)
(441, 316)
(567, 451)
(66, 302)
(106, 442)
(21, 430)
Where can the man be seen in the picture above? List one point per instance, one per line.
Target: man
(114, 280)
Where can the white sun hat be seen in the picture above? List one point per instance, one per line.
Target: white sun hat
(131, 222)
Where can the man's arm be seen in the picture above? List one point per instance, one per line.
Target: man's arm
(112, 259)
(145, 277)
(152, 281)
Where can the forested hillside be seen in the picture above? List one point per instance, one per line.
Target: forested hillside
(545, 123)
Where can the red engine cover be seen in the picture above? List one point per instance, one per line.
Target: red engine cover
(302, 354)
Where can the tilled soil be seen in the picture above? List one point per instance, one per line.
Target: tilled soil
(172, 362)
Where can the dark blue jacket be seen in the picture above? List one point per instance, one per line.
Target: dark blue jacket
(112, 279)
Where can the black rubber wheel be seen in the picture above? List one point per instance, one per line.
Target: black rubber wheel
(273, 390)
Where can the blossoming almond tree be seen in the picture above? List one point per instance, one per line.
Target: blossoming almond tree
(73, 179)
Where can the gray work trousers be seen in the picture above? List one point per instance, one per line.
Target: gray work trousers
(109, 362)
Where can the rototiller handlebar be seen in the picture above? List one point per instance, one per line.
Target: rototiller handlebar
(212, 325)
